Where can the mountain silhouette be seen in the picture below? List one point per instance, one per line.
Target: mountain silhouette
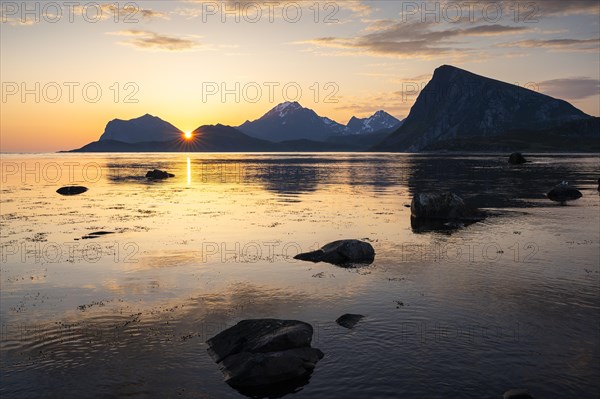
(143, 129)
(456, 111)
(458, 106)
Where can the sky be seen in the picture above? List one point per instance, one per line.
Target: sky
(67, 68)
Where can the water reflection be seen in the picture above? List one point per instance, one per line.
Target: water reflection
(189, 172)
(142, 326)
(488, 181)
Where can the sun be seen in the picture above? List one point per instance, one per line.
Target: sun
(188, 135)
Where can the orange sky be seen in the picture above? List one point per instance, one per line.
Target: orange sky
(173, 59)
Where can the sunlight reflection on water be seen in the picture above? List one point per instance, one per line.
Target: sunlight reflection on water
(471, 313)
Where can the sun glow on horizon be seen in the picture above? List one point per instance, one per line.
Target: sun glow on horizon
(188, 135)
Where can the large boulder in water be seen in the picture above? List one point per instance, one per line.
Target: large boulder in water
(443, 212)
(158, 175)
(563, 193)
(516, 158)
(72, 190)
(265, 357)
(341, 252)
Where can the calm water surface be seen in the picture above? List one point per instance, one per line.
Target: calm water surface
(512, 301)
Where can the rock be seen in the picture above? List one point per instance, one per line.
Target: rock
(96, 234)
(563, 193)
(72, 190)
(158, 175)
(517, 394)
(265, 355)
(341, 252)
(598, 184)
(349, 320)
(441, 212)
(516, 158)
(441, 206)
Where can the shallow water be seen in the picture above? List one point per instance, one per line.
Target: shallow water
(511, 301)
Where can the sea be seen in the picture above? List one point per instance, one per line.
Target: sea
(113, 292)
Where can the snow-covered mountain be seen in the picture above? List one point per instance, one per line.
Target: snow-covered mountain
(143, 129)
(379, 121)
(291, 121)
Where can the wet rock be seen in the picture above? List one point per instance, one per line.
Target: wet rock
(72, 190)
(516, 158)
(517, 394)
(441, 212)
(562, 193)
(440, 206)
(341, 252)
(158, 175)
(349, 320)
(265, 357)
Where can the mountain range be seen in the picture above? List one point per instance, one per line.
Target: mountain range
(456, 111)
(291, 121)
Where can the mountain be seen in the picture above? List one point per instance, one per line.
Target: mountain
(378, 122)
(456, 111)
(216, 138)
(221, 138)
(460, 106)
(291, 121)
(581, 135)
(146, 128)
(209, 138)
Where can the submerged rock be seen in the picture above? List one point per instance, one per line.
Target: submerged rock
(516, 158)
(265, 357)
(517, 394)
(563, 193)
(349, 320)
(72, 190)
(341, 252)
(158, 175)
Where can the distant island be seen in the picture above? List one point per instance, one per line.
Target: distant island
(456, 111)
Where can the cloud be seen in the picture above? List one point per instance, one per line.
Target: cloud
(413, 39)
(328, 10)
(571, 88)
(585, 45)
(128, 12)
(152, 14)
(525, 10)
(566, 7)
(17, 21)
(361, 8)
(147, 40)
